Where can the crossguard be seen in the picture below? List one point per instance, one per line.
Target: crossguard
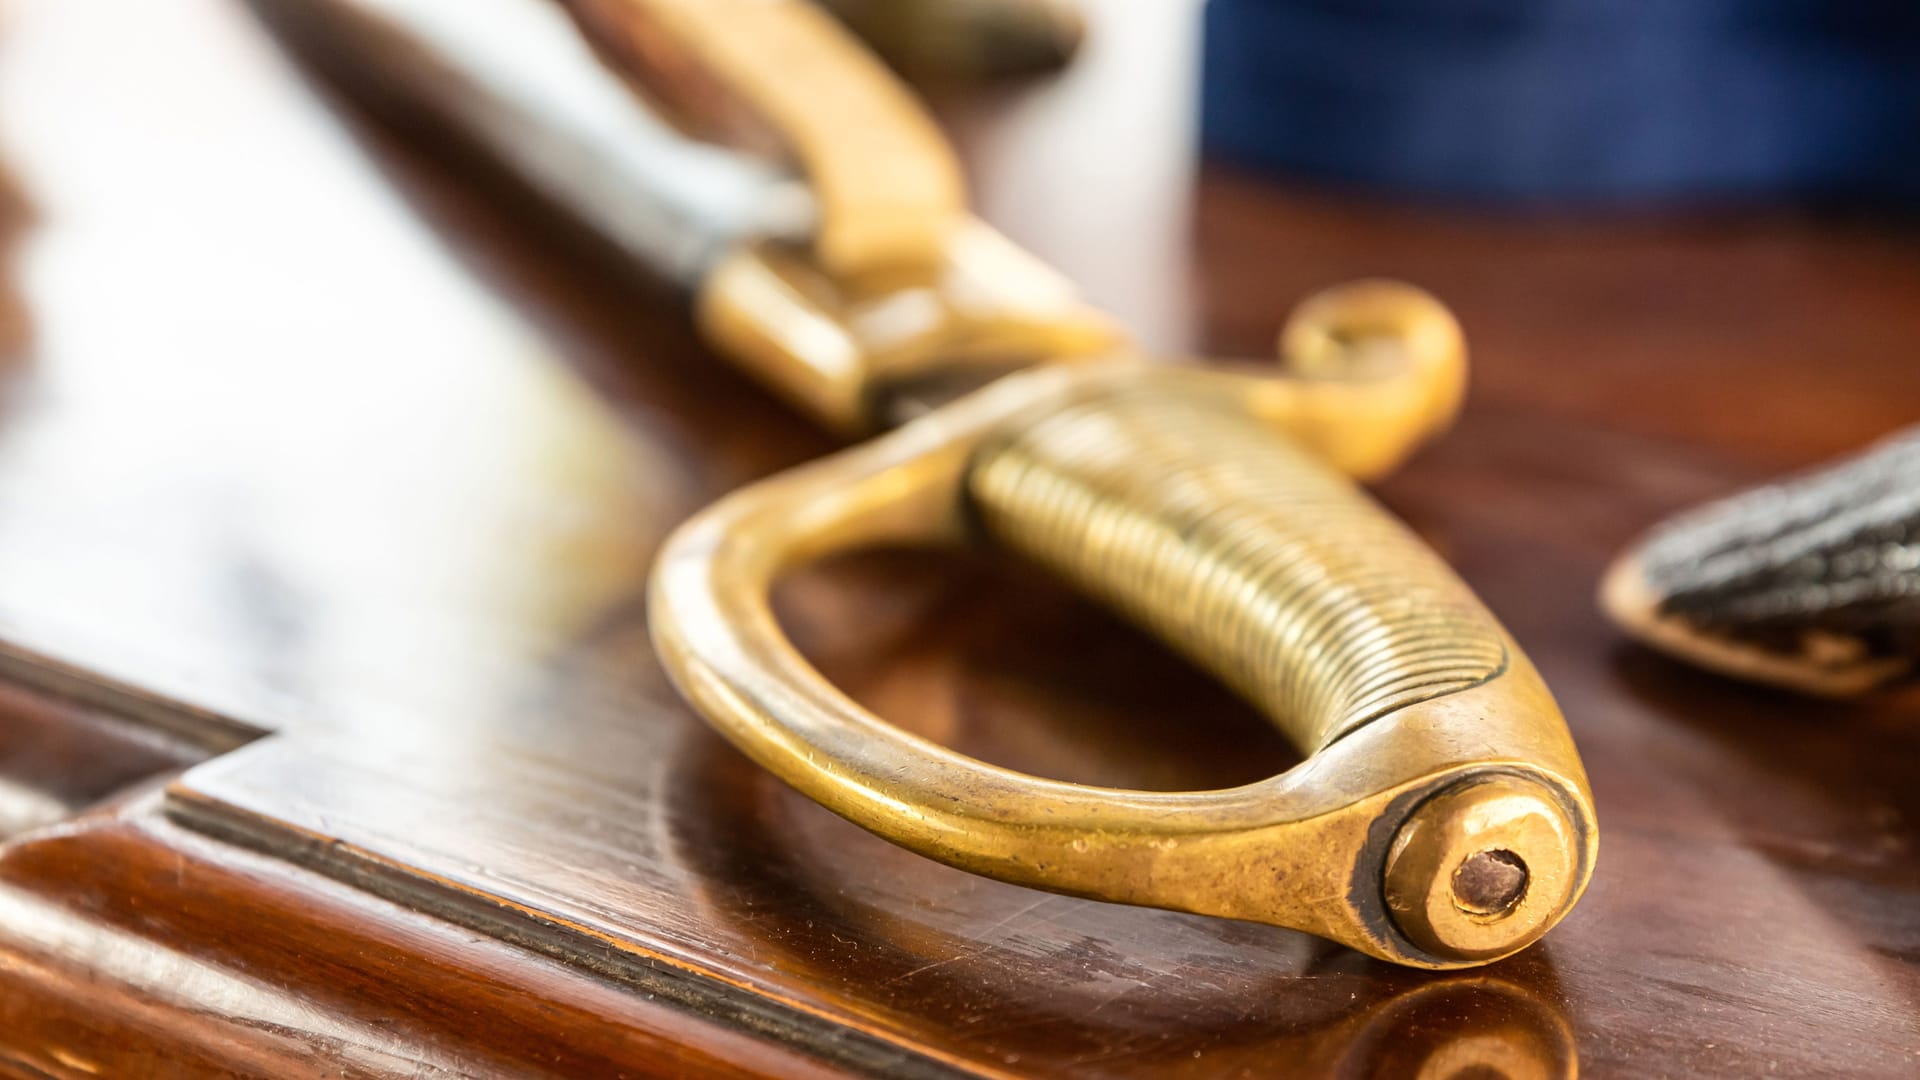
(1441, 818)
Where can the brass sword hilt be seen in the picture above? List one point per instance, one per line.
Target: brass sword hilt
(1441, 818)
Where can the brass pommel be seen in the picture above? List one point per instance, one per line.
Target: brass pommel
(1482, 869)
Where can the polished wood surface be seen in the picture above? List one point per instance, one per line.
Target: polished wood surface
(315, 436)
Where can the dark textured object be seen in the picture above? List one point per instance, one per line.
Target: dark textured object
(324, 434)
(1570, 101)
(1812, 583)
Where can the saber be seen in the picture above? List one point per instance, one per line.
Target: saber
(1442, 817)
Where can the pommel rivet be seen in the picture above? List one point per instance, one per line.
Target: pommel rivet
(1481, 869)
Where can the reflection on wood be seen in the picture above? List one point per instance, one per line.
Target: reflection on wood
(132, 948)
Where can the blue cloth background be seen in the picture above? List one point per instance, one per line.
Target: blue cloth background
(1565, 101)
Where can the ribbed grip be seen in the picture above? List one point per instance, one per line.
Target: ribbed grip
(1237, 547)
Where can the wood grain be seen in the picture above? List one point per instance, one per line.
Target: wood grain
(320, 431)
(135, 949)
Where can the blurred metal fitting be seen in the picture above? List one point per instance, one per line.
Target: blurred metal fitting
(968, 38)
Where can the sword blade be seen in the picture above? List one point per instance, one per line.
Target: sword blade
(516, 78)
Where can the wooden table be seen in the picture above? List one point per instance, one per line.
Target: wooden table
(347, 464)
